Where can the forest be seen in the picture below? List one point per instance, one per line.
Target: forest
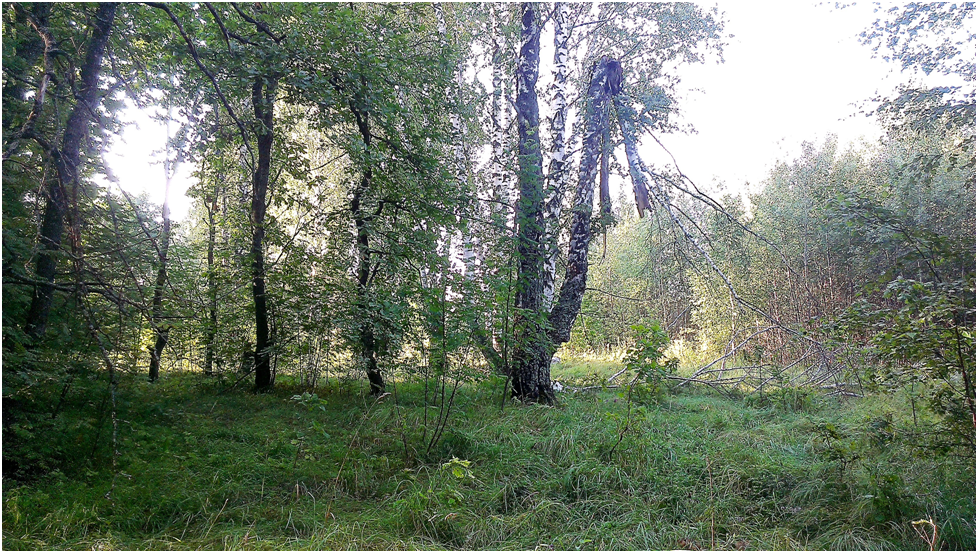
(436, 288)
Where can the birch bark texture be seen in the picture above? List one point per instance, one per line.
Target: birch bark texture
(557, 175)
(531, 378)
(499, 116)
(539, 331)
(461, 166)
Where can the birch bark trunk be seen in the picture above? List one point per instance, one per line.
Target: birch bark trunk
(469, 254)
(500, 120)
(531, 378)
(537, 334)
(471, 260)
(557, 176)
(639, 183)
(596, 110)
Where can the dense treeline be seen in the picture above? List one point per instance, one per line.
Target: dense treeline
(325, 186)
(871, 262)
(407, 193)
(341, 219)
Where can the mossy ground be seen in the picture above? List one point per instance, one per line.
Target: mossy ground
(200, 469)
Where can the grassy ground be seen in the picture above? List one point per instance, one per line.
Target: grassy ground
(196, 469)
(582, 369)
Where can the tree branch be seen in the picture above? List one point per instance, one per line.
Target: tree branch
(200, 65)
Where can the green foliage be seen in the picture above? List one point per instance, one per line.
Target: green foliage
(879, 241)
(635, 278)
(786, 399)
(309, 401)
(646, 358)
(933, 39)
(923, 333)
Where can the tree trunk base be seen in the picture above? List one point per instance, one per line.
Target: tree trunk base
(531, 377)
(377, 385)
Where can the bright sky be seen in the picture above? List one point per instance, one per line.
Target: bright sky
(794, 72)
(136, 158)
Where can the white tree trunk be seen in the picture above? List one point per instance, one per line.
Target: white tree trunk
(557, 175)
(499, 116)
(469, 256)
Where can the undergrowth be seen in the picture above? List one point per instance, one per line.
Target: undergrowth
(202, 468)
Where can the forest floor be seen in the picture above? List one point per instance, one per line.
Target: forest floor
(201, 467)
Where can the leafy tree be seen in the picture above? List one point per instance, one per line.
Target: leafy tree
(390, 119)
(541, 325)
(60, 142)
(56, 100)
(920, 316)
(938, 40)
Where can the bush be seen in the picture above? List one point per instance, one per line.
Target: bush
(647, 359)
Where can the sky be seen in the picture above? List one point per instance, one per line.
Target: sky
(136, 159)
(793, 72)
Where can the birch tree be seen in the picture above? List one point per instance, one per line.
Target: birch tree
(559, 162)
(645, 39)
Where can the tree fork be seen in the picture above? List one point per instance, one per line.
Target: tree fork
(541, 334)
(568, 303)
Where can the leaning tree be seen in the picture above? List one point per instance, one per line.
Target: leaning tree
(618, 57)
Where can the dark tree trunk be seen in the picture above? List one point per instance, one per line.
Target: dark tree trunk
(639, 182)
(210, 334)
(52, 228)
(368, 340)
(162, 331)
(568, 303)
(604, 185)
(263, 100)
(531, 356)
(368, 347)
(67, 162)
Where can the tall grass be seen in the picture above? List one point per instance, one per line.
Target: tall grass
(199, 469)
